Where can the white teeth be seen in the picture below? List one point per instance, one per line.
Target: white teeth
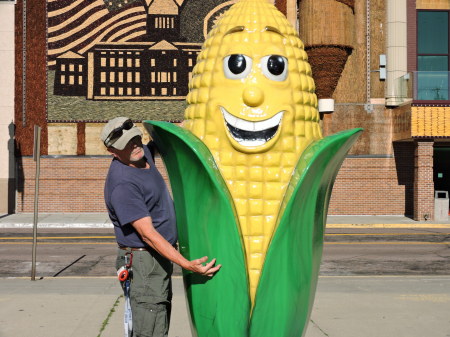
(252, 143)
(251, 126)
(251, 134)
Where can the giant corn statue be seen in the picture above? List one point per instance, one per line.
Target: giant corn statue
(251, 176)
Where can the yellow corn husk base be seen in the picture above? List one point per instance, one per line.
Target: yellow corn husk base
(257, 180)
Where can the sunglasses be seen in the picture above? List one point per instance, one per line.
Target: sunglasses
(115, 134)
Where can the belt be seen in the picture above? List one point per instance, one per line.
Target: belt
(134, 249)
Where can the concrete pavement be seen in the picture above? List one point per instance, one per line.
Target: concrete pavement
(350, 306)
(345, 306)
(101, 220)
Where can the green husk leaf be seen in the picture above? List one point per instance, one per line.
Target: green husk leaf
(287, 286)
(206, 221)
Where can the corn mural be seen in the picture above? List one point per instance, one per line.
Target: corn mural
(251, 176)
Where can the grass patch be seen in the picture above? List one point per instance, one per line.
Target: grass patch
(78, 108)
(106, 321)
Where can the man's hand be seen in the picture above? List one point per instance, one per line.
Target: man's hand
(208, 270)
(155, 240)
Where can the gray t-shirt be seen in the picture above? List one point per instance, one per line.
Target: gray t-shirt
(133, 193)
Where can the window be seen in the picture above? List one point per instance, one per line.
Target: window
(432, 55)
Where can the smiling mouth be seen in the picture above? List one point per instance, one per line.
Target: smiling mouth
(251, 134)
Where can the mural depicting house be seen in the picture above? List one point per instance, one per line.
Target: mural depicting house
(70, 75)
(132, 70)
(139, 70)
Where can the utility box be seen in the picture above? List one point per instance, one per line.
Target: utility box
(440, 205)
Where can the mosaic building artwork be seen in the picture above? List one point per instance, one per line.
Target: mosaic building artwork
(122, 50)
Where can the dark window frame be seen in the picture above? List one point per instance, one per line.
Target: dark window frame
(441, 102)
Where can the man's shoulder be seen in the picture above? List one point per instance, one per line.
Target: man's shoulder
(116, 174)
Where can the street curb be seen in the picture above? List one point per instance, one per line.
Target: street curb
(329, 226)
(403, 225)
(57, 225)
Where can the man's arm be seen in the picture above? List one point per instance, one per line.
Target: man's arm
(155, 240)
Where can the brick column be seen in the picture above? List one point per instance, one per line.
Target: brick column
(423, 180)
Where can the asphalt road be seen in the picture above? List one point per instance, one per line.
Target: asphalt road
(91, 252)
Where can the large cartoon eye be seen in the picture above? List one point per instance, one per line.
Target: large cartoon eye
(274, 67)
(237, 66)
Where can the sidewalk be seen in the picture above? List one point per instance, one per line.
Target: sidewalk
(101, 220)
(345, 306)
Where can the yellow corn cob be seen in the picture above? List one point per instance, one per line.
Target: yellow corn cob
(257, 176)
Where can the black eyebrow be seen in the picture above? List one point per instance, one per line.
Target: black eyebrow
(236, 29)
(274, 30)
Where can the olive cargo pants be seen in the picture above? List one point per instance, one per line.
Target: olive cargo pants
(150, 292)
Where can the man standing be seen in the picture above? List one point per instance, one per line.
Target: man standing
(142, 212)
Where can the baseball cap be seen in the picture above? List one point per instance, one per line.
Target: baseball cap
(118, 132)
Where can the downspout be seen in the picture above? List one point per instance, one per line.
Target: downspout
(368, 106)
(396, 50)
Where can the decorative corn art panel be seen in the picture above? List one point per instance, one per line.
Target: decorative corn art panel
(431, 121)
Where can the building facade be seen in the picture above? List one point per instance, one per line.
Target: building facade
(385, 64)
(381, 65)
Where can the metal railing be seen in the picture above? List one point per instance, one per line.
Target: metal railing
(423, 86)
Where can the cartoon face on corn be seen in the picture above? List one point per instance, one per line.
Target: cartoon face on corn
(252, 176)
(261, 89)
(258, 77)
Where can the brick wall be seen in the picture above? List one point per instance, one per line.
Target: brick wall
(424, 184)
(66, 184)
(365, 185)
(411, 33)
(376, 185)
